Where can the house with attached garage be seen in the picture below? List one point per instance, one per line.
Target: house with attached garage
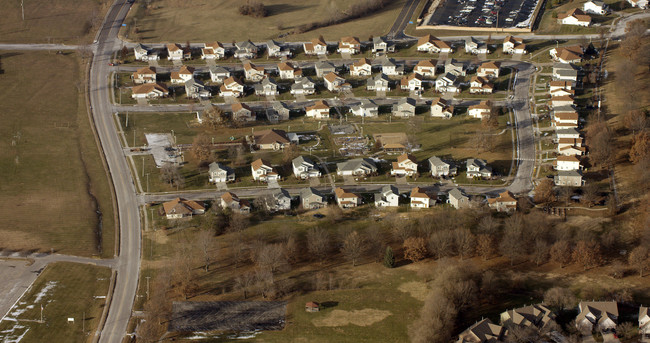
(254, 73)
(572, 150)
(532, 316)
(174, 52)
(404, 108)
(574, 17)
(565, 72)
(349, 45)
(144, 54)
(288, 71)
(480, 111)
(319, 110)
(571, 133)
(361, 67)
(316, 46)
(488, 69)
(421, 199)
(558, 85)
(572, 178)
(447, 83)
(245, 49)
(195, 89)
(483, 331)
(567, 163)
(267, 87)
(412, 83)
(303, 86)
(180, 208)
(644, 324)
(480, 85)
(431, 44)
(231, 200)
(263, 171)
(144, 75)
(365, 108)
(275, 49)
(357, 167)
(426, 68)
(213, 51)
(182, 75)
(561, 101)
(477, 167)
(475, 47)
(346, 199)
(505, 202)
(455, 68)
(273, 139)
(232, 87)
(389, 67)
(323, 68)
(406, 165)
(304, 168)
(218, 172)
(335, 83)
(242, 112)
(458, 199)
(277, 112)
(643, 4)
(565, 119)
(568, 54)
(311, 199)
(149, 91)
(277, 199)
(218, 74)
(439, 168)
(381, 46)
(379, 83)
(388, 197)
(597, 315)
(514, 45)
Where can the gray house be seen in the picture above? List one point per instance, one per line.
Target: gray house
(323, 68)
(196, 90)
(458, 199)
(439, 167)
(379, 82)
(275, 49)
(303, 85)
(220, 173)
(277, 112)
(571, 178)
(404, 108)
(277, 199)
(389, 197)
(311, 199)
(565, 72)
(268, 86)
(366, 108)
(389, 67)
(477, 167)
(304, 168)
(356, 167)
(381, 46)
(245, 49)
(456, 68)
(218, 74)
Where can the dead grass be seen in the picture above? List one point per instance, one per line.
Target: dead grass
(46, 140)
(364, 317)
(55, 21)
(416, 289)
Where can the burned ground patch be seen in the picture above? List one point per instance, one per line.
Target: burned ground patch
(228, 316)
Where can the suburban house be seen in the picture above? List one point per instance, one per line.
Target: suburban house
(475, 47)
(366, 108)
(644, 323)
(349, 45)
(569, 142)
(421, 199)
(319, 110)
(440, 108)
(565, 72)
(455, 68)
(597, 315)
(380, 45)
(180, 208)
(480, 85)
(643, 4)
(149, 91)
(431, 44)
(555, 85)
(278, 111)
(267, 87)
(597, 7)
(232, 87)
(323, 68)
(514, 45)
(263, 171)
(184, 74)
(277, 199)
(304, 168)
(482, 332)
(567, 163)
(335, 83)
(356, 167)
(426, 68)
(361, 67)
(275, 49)
(311, 199)
(288, 71)
(565, 119)
(564, 101)
(481, 111)
(141, 53)
(379, 83)
(406, 165)
(389, 67)
(537, 316)
(562, 92)
(213, 51)
(245, 49)
(439, 168)
(174, 52)
(568, 54)
(242, 112)
(412, 83)
(220, 173)
(195, 89)
(571, 133)
(273, 139)
(317, 46)
(488, 69)
(572, 178)
(477, 167)
(574, 17)
(144, 75)
(447, 83)
(572, 150)
(303, 86)
(253, 73)
(346, 199)
(505, 202)
(232, 201)
(388, 197)
(404, 108)
(218, 74)
(458, 199)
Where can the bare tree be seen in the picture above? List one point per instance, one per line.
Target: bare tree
(589, 194)
(436, 321)
(635, 121)
(559, 297)
(639, 258)
(486, 246)
(513, 243)
(265, 283)
(540, 252)
(272, 257)
(157, 310)
(201, 148)
(599, 139)
(238, 222)
(353, 246)
(414, 249)
(640, 149)
(544, 192)
(465, 243)
(441, 243)
(587, 254)
(561, 252)
(375, 242)
(487, 225)
(245, 282)
(170, 173)
(236, 155)
(318, 243)
(207, 244)
(214, 117)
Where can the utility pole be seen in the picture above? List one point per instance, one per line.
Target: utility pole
(143, 166)
(147, 182)
(83, 323)
(22, 8)
(134, 137)
(148, 277)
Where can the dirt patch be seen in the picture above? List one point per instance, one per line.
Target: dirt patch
(365, 317)
(416, 289)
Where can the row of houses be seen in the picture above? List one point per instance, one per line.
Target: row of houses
(147, 84)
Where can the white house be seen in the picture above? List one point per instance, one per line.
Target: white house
(643, 4)
(480, 85)
(447, 83)
(426, 68)
(219, 74)
(144, 75)
(263, 171)
(477, 167)
(304, 168)
(361, 67)
(220, 173)
(232, 201)
(365, 108)
(356, 167)
(514, 45)
(253, 73)
(597, 315)
(421, 199)
(571, 133)
(288, 71)
(488, 69)
(174, 52)
(349, 45)
(597, 7)
(458, 199)
(195, 89)
(439, 168)
(335, 83)
(505, 202)
(275, 49)
(316, 46)
(389, 67)
(183, 75)
(567, 163)
(431, 44)
(346, 199)
(406, 165)
(304, 86)
(565, 72)
(319, 110)
(412, 83)
(644, 323)
(480, 111)
(388, 197)
(567, 54)
(440, 108)
(475, 47)
(380, 45)
(574, 17)
(142, 53)
(149, 91)
(213, 51)
(456, 68)
(379, 83)
(232, 87)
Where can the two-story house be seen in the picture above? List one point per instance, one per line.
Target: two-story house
(488, 69)
(379, 83)
(311, 199)
(220, 173)
(305, 168)
(288, 71)
(303, 86)
(439, 168)
(144, 75)
(349, 45)
(263, 171)
(431, 44)
(477, 167)
(481, 111)
(361, 67)
(234, 203)
(253, 73)
(404, 108)
(514, 45)
(213, 51)
(319, 110)
(412, 83)
(232, 87)
(365, 108)
(246, 50)
(242, 112)
(421, 198)
(406, 165)
(458, 199)
(388, 197)
(335, 83)
(267, 87)
(505, 202)
(425, 68)
(316, 46)
(346, 199)
(182, 75)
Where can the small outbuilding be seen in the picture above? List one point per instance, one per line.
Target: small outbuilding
(312, 307)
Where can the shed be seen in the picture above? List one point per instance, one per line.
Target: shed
(312, 307)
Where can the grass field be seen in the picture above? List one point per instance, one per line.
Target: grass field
(65, 290)
(49, 160)
(54, 21)
(171, 20)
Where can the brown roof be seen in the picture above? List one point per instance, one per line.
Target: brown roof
(506, 196)
(238, 106)
(249, 66)
(580, 148)
(271, 136)
(483, 105)
(490, 65)
(513, 40)
(229, 81)
(425, 39)
(362, 62)
(311, 304)
(417, 192)
(405, 80)
(480, 79)
(146, 70)
(440, 44)
(350, 40)
(563, 84)
(258, 163)
(173, 47)
(214, 45)
(286, 66)
(342, 193)
(566, 116)
(571, 141)
(426, 63)
(149, 87)
(564, 158)
(577, 13)
(186, 70)
(182, 206)
(229, 197)
(404, 157)
(319, 105)
(318, 41)
(331, 77)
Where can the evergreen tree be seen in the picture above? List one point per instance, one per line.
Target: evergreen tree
(389, 259)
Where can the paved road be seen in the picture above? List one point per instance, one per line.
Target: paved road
(397, 31)
(4, 46)
(128, 266)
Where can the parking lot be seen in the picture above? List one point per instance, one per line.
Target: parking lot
(484, 13)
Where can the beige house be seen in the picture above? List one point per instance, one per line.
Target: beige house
(271, 139)
(149, 91)
(242, 112)
(288, 71)
(349, 45)
(253, 73)
(406, 165)
(411, 83)
(440, 108)
(319, 110)
(505, 202)
(458, 199)
(231, 200)
(144, 75)
(597, 315)
(528, 316)
(483, 332)
(180, 208)
(488, 69)
(425, 68)
(335, 83)
(346, 199)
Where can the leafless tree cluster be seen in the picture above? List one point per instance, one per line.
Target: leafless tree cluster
(170, 173)
(254, 9)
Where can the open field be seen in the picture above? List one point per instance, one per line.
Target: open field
(54, 178)
(52, 21)
(64, 290)
(171, 20)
